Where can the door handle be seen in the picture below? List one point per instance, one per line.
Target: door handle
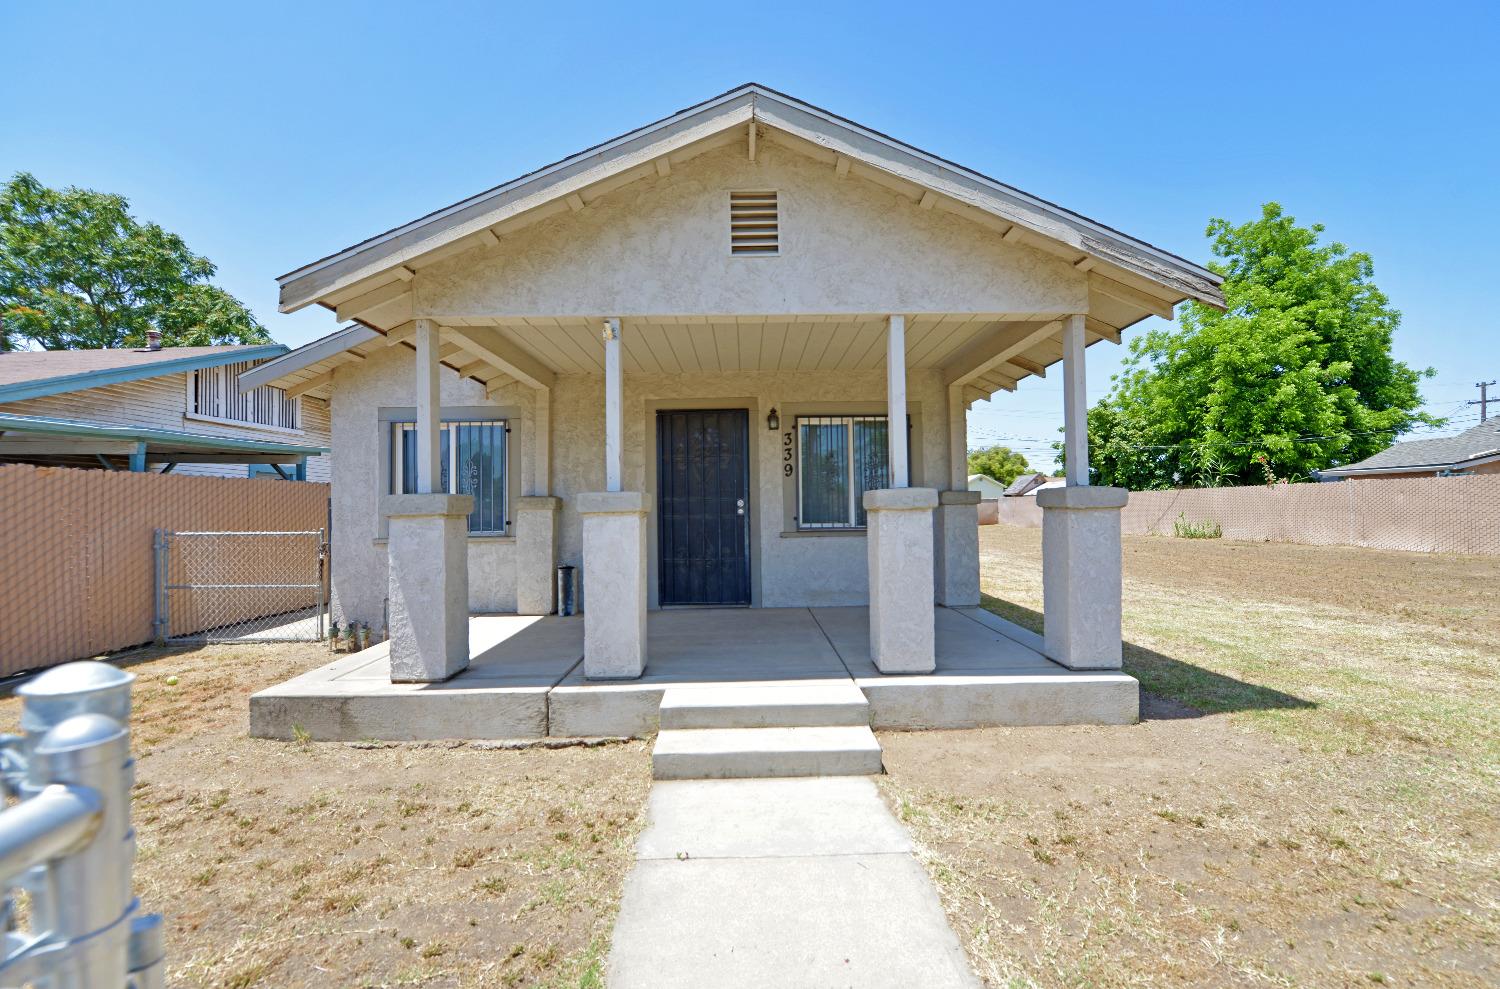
(739, 506)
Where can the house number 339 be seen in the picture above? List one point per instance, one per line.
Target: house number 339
(786, 455)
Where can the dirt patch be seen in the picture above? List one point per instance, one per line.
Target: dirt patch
(1312, 798)
(279, 864)
(1190, 852)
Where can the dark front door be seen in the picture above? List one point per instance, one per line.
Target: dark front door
(703, 522)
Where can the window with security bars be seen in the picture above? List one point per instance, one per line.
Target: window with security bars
(839, 459)
(754, 224)
(477, 446)
(214, 394)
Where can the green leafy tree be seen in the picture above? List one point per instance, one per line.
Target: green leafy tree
(1296, 374)
(1000, 462)
(78, 271)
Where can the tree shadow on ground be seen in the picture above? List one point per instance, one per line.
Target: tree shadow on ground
(1174, 688)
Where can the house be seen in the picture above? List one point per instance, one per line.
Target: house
(987, 486)
(1025, 484)
(175, 409)
(723, 361)
(1474, 451)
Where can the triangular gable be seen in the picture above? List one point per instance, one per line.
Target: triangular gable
(392, 257)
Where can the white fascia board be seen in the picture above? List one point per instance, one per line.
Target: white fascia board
(1002, 201)
(571, 175)
(271, 372)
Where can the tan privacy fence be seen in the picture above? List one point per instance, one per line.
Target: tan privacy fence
(1421, 514)
(77, 557)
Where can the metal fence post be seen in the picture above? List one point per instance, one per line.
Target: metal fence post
(159, 617)
(69, 841)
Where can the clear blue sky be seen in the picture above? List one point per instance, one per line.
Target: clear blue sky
(269, 134)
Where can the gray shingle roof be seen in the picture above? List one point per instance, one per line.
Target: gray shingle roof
(1434, 454)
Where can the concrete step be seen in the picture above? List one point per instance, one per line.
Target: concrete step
(755, 706)
(726, 753)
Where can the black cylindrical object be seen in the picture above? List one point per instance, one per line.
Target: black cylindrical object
(567, 590)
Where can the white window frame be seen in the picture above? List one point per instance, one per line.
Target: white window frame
(221, 393)
(852, 510)
(398, 462)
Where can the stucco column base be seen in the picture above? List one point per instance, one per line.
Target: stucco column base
(956, 542)
(536, 554)
(614, 583)
(1081, 576)
(429, 585)
(899, 544)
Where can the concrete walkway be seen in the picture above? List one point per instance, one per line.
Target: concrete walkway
(779, 882)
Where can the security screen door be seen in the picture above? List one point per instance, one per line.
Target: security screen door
(703, 521)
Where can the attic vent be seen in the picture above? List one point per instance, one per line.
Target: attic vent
(753, 224)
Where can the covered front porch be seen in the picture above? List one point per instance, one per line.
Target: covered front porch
(525, 679)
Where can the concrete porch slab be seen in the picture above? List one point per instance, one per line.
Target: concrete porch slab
(989, 672)
(525, 679)
(514, 661)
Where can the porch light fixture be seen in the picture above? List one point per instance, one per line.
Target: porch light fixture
(773, 421)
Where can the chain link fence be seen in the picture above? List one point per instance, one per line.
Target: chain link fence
(77, 556)
(240, 586)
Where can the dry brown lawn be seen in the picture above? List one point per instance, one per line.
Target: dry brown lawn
(1312, 800)
(284, 864)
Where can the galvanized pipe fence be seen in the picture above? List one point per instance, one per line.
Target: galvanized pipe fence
(68, 841)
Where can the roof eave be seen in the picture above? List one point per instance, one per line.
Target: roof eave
(42, 387)
(64, 427)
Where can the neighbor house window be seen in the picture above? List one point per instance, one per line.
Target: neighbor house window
(214, 394)
(477, 446)
(839, 459)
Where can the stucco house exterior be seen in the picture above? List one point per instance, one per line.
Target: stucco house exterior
(165, 409)
(723, 360)
(1473, 451)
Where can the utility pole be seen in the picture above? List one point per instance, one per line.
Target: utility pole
(1484, 399)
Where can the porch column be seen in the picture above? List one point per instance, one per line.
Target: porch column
(899, 546)
(614, 546)
(536, 518)
(1081, 557)
(956, 539)
(427, 549)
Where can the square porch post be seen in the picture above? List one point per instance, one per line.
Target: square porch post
(1081, 558)
(536, 519)
(899, 542)
(427, 548)
(956, 539)
(614, 545)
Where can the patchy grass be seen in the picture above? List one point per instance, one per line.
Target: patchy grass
(1313, 798)
(294, 864)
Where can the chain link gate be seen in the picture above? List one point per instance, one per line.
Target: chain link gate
(241, 586)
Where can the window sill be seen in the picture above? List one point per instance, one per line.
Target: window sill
(384, 540)
(821, 533)
(242, 424)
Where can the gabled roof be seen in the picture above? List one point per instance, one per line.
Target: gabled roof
(1473, 446)
(589, 173)
(1025, 483)
(35, 373)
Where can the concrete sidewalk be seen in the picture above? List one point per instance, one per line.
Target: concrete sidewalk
(779, 882)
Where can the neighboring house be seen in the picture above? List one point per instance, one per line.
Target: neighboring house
(175, 409)
(672, 359)
(1025, 484)
(1474, 451)
(987, 486)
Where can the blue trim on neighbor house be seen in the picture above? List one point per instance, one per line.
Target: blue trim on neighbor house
(144, 435)
(42, 387)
